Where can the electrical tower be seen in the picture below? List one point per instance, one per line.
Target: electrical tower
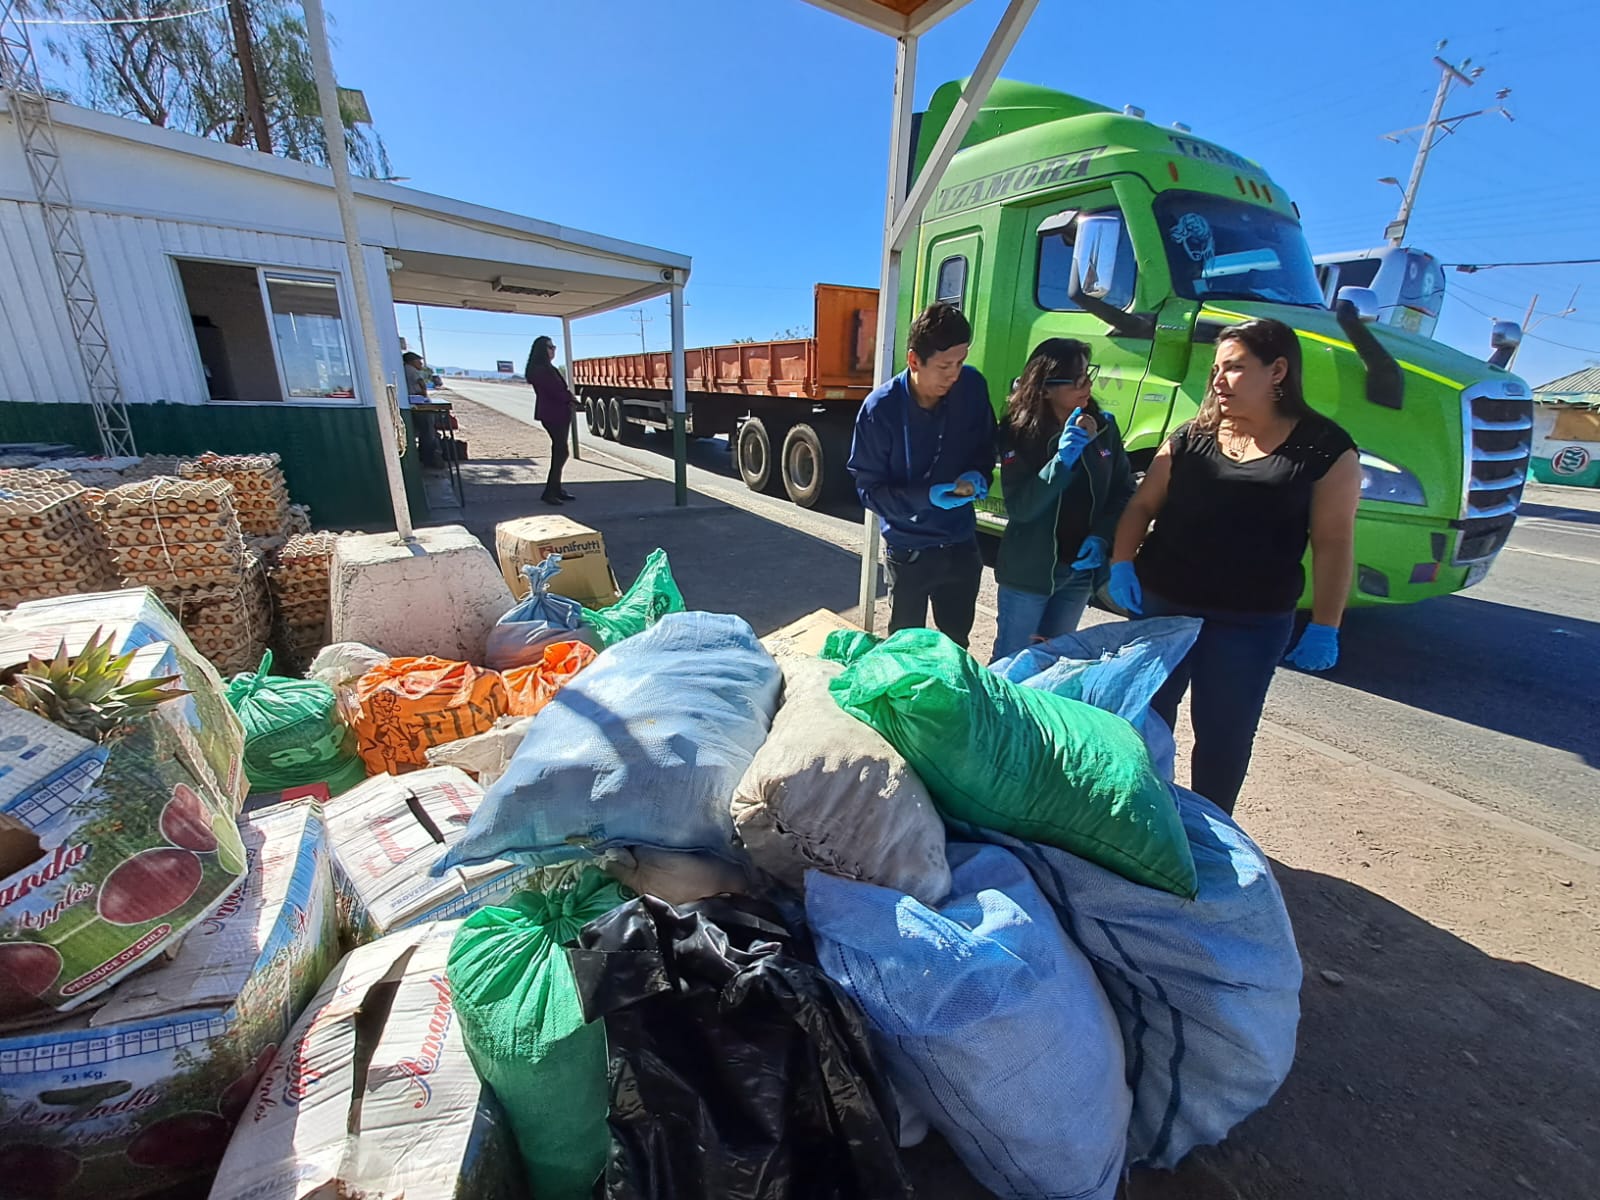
(1434, 131)
(30, 111)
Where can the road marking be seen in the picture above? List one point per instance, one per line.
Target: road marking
(1577, 558)
(1438, 795)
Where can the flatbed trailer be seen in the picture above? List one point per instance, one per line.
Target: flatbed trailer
(788, 407)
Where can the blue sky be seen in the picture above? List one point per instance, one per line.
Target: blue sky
(753, 135)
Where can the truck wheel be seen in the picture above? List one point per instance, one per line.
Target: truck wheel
(805, 466)
(591, 410)
(627, 429)
(613, 418)
(753, 451)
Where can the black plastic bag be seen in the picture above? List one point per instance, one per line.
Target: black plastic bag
(737, 1068)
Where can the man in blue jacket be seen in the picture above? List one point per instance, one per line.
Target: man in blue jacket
(924, 452)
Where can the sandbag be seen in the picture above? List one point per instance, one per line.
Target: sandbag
(644, 748)
(484, 756)
(293, 733)
(653, 595)
(826, 792)
(406, 705)
(526, 1034)
(530, 688)
(1020, 760)
(989, 1019)
(676, 876)
(1118, 666)
(737, 1069)
(1207, 991)
(519, 638)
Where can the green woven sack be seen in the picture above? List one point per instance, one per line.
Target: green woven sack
(525, 1032)
(1018, 760)
(653, 595)
(293, 732)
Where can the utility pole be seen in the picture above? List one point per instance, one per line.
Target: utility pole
(239, 15)
(1433, 132)
(638, 317)
(422, 342)
(1528, 323)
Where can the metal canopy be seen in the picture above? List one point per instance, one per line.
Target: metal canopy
(906, 21)
(897, 18)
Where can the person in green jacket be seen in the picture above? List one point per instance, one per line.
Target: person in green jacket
(1066, 480)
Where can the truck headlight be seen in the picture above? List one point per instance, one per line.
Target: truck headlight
(1382, 480)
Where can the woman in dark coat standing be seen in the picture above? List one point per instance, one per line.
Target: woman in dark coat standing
(552, 408)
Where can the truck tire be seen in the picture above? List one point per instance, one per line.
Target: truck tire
(592, 411)
(752, 450)
(804, 463)
(628, 431)
(613, 418)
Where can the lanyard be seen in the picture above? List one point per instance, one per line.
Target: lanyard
(938, 444)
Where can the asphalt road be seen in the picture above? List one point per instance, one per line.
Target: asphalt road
(1491, 694)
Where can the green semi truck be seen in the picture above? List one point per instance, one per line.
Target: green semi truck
(1061, 217)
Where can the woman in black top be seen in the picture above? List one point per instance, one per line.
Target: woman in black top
(1236, 495)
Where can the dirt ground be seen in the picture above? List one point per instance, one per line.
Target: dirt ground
(1450, 1034)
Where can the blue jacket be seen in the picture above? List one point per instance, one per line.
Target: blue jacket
(901, 450)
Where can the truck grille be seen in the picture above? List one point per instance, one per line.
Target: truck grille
(1499, 437)
(1497, 421)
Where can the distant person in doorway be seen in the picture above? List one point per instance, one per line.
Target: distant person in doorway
(1066, 479)
(923, 455)
(1236, 494)
(552, 408)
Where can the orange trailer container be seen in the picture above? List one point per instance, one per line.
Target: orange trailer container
(799, 396)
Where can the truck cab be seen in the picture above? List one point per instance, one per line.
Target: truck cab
(1061, 217)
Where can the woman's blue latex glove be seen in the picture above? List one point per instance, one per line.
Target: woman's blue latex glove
(943, 495)
(1091, 555)
(1073, 439)
(980, 485)
(1317, 649)
(1124, 588)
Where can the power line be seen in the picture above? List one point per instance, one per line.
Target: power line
(1530, 336)
(1469, 268)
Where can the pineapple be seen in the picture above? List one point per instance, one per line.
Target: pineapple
(86, 692)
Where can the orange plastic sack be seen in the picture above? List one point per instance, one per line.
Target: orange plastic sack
(410, 704)
(530, 688)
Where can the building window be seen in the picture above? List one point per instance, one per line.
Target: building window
(268, 335)
(951, 285)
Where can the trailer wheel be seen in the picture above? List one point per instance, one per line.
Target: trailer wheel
(626, 429)
(613, 418)
(591, 410)
(753, 451)
(802, 463)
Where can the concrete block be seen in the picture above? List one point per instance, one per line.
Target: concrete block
(438, 595)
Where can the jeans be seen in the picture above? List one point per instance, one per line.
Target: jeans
(1027, 615)
(946, 575)
(1227, 672)
(558, 456)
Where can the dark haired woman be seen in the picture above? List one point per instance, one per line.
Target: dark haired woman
(1236, 494)
(1067, 479)
(552, 408)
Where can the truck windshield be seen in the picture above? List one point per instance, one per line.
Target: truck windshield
(1221, 249)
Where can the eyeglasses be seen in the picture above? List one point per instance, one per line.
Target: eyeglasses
(1090, 374)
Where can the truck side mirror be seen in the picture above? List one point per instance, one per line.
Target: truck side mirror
(1096, 260)
(1094, 257)
(1504, 338)
(1365, 300)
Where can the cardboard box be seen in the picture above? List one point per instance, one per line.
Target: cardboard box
(135, 618)
(806, 636)
(108, 853)
(142, 1093)
(388, 833)
(585, 573)
(373, 1095)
